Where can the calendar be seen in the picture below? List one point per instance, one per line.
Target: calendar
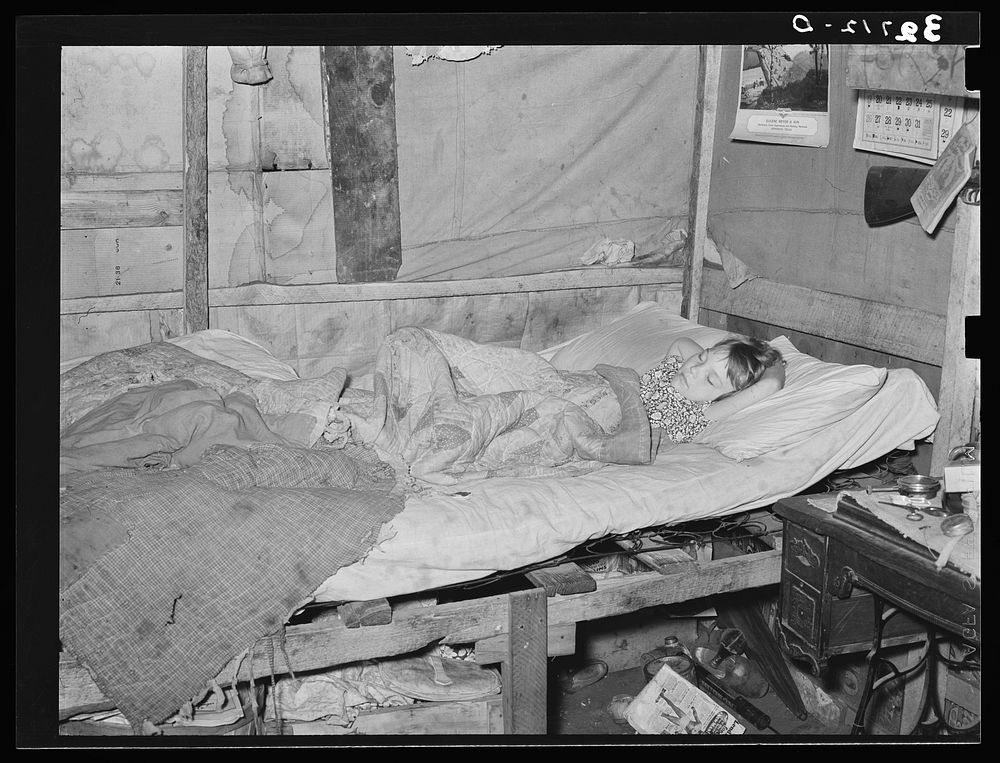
(909, 125)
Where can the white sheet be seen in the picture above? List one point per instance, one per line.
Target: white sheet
(507, 523)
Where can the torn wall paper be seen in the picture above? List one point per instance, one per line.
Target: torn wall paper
(737, 271)
(421, 53)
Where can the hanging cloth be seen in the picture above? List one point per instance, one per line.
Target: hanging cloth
(250, 65)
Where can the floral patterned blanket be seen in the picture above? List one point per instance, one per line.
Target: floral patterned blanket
(448, 410)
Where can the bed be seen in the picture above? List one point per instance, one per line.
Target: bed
(458, 524)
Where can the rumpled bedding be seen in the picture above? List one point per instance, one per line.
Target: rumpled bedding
(170, 424)
(449, 410)
(106, 376)
(166, 574)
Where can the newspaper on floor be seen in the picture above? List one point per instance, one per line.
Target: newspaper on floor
(670, 704)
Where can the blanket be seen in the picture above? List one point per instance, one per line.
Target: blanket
(450, 410)
(170, 424)
(106, 376)
(167, 576)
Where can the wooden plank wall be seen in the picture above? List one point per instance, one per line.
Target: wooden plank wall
(317, 336)
(844, 292)
(795, 215)
(272, 264)
(122, 191)
(123, 187)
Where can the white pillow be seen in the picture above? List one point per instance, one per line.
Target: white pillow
(816, 394)
(235, 351)
(639, 339)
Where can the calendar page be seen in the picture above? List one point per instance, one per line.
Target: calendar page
(909, 125)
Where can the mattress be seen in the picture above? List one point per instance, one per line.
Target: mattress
(449, 536)
(505, 523)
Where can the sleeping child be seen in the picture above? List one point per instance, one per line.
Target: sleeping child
(693, 386)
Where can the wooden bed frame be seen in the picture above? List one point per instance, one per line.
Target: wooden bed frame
(519, 631)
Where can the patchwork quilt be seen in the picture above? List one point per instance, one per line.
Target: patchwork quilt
(449, 410)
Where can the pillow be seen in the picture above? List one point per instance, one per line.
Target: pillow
(816, 394)
(639, 340)
(237, 352)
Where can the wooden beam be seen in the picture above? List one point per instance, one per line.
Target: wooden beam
(195, 188)
(561, 641)
(273, 294)
(709, 64)
(372, 612)
(525, 670)
(458, 717)
(893, 329)
(120, 209)
(482, 716)
(958, 401)
(616, 596)
(362, 106)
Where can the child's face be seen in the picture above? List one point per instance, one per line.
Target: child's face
(704, 377)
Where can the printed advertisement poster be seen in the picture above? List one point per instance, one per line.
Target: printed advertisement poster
(670, 704)
(784, 95)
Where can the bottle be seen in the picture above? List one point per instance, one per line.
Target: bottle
(674, 654)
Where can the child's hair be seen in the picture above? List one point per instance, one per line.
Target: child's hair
(747, 361)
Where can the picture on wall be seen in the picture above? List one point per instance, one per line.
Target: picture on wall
(784, 95)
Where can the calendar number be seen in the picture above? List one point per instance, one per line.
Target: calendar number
(903, 124)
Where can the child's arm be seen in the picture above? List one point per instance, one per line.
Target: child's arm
(684, 348)
(770, 382)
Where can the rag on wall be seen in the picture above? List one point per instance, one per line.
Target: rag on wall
(250, 65)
